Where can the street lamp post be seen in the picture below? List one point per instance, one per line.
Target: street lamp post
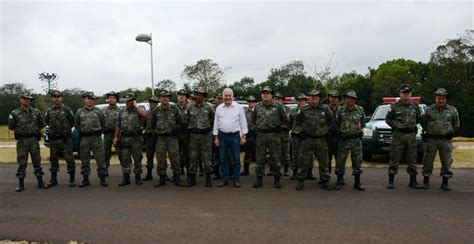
(147, 38)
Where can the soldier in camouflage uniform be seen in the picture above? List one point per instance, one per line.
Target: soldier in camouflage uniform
(27, 122)
(350, 120)
(90, 122)
(200, 116)
(249, 147)
(403, 117)
(296, 134)
(128, 137)
(285, 136)
(150, 138)
(332, 134)
(111, 119)
(60, 120)
(316, 120)
(164, 120)
(182, 131)
(439, 122)
(269, 117)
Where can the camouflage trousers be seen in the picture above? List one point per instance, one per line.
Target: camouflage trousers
(24, 147)
(150, 147)
(131, 148)
(332, 151)
(167, 145)
(445, 148)
(61, 147)
(403, 144)
(355, 147)
(271, 143)
(310, 147)
(95, 145)
(108, 144)
(183, 145)
(295, 151)
(200, 151)
(249, 149)
(285, 148)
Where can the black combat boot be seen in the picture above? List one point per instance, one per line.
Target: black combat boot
(72, 179)
(201, 170)
(259, 182)
(161, 182)
(21, 185)
(106, 174)
(246, 169)
(85, 181)
(217, 174)
(426, 183)
(413, 183)
(285, 171)
(54, 179)
(294, 176)
(41, 184)
(125, 180)
(444, 184)
(310, 175)
(357, 185)
(340, 179)
(149, 174)
(325, 185)
(103, 181)
(208, 180)
(300, 185)
(138, 179)
(177, 180)
(191, 180)
(276, 182)
(391, 181)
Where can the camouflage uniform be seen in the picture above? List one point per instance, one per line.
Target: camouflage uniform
(130, 124)
(183, 138)
(316, 122)
(439, 124)
(249, 147)
(295, 139)
(332, 134)
(150, 139)
(111, 114)
(60, 121)
(285, 144)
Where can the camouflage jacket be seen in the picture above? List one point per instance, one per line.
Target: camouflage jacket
(130, 122)
(248, 116)
(183, 124)
(89, 120)
(315, 120)
(147, 123)
(111, 117)
(440, 121)
(334, 131)
(403, 116)
(25, 121)
(200, 116)
(295, 128)
(350, 121)
(269, 117)
(59, 119)
(165, 120)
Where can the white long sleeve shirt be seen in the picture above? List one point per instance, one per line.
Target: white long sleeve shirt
(230, 119)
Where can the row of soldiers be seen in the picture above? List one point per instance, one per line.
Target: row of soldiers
(182, 132)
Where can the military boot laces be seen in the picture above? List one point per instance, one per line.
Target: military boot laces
(72, 180)
(300, 185)
(391, 180)
(444, 184)
(54, 179)
(161, 182)
(208, 180)
(21, 185)
(125, 180)
(357, 185)
(340, 179)
(138, 179)
(41, 184)
(426, 183)
(276, 182)
(85, 181)
(413, 183)
(259, 182)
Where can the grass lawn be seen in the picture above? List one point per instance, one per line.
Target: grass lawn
(6, 134)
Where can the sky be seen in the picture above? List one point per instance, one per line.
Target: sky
(91, 44)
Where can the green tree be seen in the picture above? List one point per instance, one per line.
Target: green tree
(50, 80)
(166, 84)
(206, 74)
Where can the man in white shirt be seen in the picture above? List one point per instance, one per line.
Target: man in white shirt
(230, 130)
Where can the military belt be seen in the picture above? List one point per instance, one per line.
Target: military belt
(346, 136)
(26, 135)
(305, 135)
(271, 130)
(89, 134)
(200, 131)
(407, 130)
(109, 131)
(182, 131)
(130, 134)
(165, 134)
(63, 136)
(448, 136)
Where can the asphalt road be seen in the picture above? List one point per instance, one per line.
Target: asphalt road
(144, 214)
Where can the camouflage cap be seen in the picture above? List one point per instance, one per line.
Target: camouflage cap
(314, 92)
(334, 93)
(351, 93)
(300, 96)
(200, 90)
(183, 92)
(405, 88)
(26, 95)
(218, 96)
(89, 94)
(165, 93)
(130, 97)
(211, 100)
(279, 95)
(56, 93)
(251, 98)
(266, 89)
(152, 99)
(112, 93)
(441, 92)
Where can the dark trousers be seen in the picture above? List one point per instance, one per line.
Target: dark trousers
(229, 142)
